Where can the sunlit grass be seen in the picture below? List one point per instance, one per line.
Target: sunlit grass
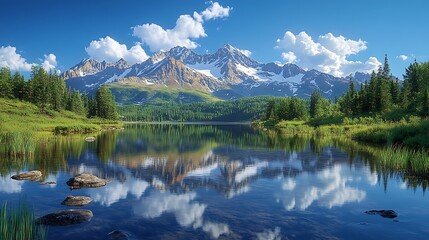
(18, 224)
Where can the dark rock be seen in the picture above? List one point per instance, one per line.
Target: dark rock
(383, 213)
(32, 176)
(76, 201)
(119, 235)
(86, 180)
(65, 217)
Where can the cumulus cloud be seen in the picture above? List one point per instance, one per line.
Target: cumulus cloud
(109, 50)
(402, 57)
(49, 62)
(215, 10)
(328, 54)
(14, 61)
(11, 59)
(187, 29)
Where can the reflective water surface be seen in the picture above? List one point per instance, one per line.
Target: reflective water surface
(221, 182)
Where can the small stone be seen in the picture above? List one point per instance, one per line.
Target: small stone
(32, 176)
(383, 213)
(76, 201)
(47, 183)
(65, 217)
(86, 180)
(119, 235)
(90, 139)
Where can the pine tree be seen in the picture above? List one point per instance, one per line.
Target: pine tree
(315, 105)
(425, 103)
(18, 86)
(6, 87)
(386, 68)
(411, 78)
(106, 106)
(77, 103)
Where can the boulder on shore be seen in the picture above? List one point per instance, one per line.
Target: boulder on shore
(32, 176)
(76, 201)
(86, 180)
(383, 213)
(65, 217)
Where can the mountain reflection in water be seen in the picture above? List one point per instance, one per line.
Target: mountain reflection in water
(206, 181)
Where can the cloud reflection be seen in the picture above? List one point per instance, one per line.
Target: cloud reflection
(8, 185)
(327, 188)
(187, 212)
(115, 191)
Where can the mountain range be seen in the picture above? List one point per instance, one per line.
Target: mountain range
(226, 74)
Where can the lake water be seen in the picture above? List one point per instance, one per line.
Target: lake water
(221, 182)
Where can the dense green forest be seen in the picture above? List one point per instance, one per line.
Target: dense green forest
(383, 96)
(49, 92)
(244, 109)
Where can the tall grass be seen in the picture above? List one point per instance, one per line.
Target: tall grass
(413, 162)
(18, 143)
(18, 224)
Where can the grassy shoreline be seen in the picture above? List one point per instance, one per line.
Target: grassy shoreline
(22, 124)
(402, 145)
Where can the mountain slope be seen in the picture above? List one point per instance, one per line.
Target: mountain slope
(227, 74)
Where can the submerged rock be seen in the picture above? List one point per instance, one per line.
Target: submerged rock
(76, 201)
(383, 213)
(119, 235)
(47, 183)
(86, 180)
(65, 217)
(90, 139)
(32, 176)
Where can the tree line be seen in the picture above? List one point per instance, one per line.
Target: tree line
(381, 95)
(244, 109)
(48, 91)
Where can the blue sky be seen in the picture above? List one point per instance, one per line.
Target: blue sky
(332, 35)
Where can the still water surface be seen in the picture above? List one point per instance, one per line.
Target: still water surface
(220, 182)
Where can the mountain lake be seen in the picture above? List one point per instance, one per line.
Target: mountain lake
(202, 181)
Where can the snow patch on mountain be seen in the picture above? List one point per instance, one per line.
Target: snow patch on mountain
(208, 69)
(122, 75)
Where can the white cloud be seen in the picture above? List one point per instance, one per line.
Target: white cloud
(109, 50)
(402, 57)
(215, 10)
(11, 59)
(187, 29)
(50, 62)
(329, 54)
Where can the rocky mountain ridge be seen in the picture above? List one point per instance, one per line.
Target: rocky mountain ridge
(226, 74)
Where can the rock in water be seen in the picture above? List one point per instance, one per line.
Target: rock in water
(65, 217)
(90, 139)
(86, 180)
(48, 183)
(119, 235)
(76, 201)
(32, 176)
(383, 213)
